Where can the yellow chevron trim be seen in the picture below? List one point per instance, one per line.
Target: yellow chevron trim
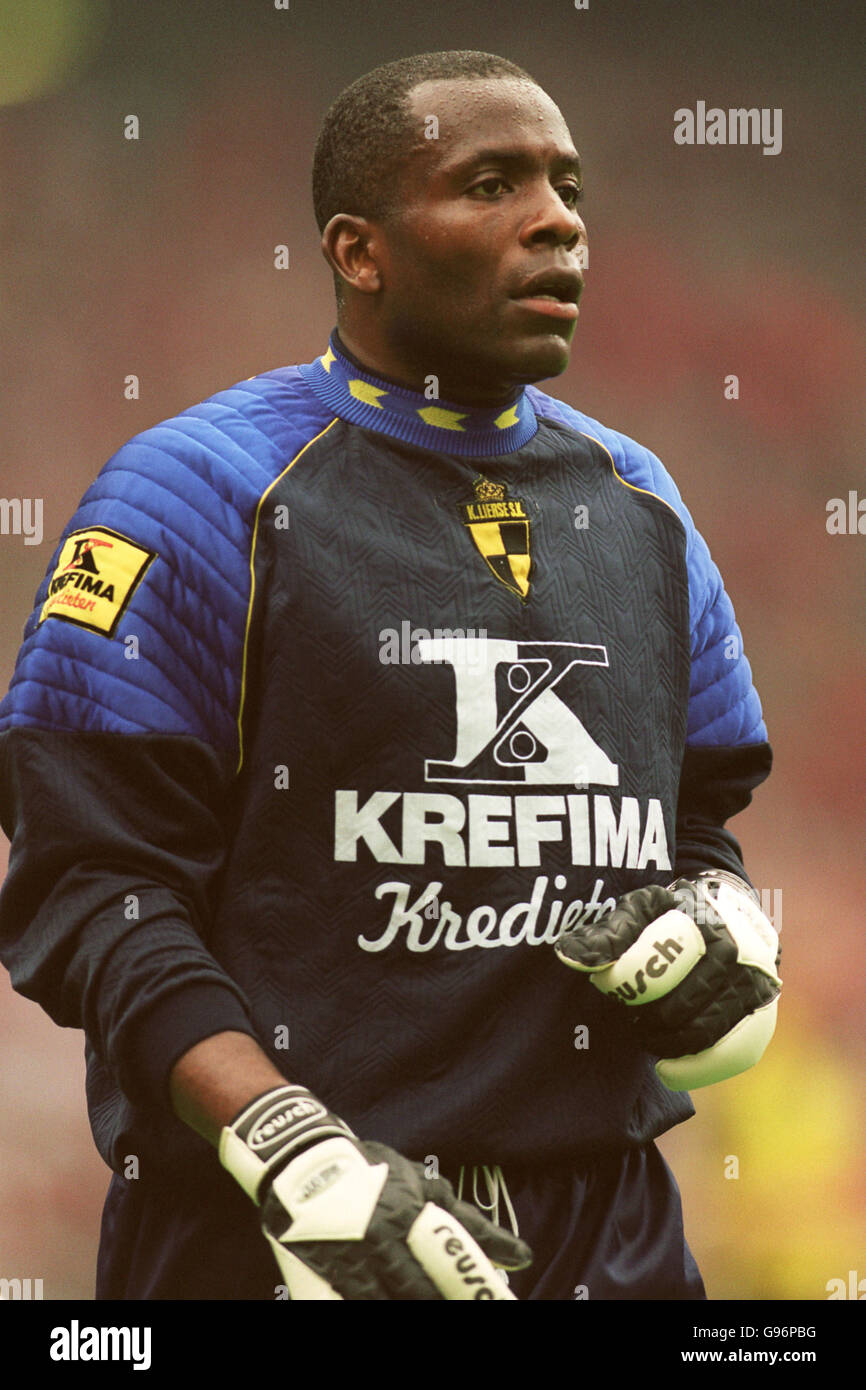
(364, 391)
(440, 417)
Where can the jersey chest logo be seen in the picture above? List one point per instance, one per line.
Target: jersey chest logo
(500, 527)
(512, 725)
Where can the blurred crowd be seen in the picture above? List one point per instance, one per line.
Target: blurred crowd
(154, 257)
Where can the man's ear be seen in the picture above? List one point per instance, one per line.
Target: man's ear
(348, 245)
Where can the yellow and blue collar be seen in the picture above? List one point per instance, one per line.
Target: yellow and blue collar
(375, 403)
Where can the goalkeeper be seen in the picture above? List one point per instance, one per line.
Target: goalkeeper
(367, 764)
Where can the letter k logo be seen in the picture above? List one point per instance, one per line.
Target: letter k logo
(512, 727)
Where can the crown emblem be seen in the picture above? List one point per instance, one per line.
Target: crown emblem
(485, 491)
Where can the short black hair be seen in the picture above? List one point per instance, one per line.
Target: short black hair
(366, 134)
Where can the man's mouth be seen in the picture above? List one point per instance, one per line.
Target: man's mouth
(548, 304)
(552, 292)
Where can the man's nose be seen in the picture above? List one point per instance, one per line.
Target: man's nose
(552, 220)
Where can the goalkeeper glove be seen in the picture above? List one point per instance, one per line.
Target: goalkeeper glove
(353, 1220)
(699, 960)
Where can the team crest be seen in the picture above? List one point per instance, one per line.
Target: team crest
(499, 526)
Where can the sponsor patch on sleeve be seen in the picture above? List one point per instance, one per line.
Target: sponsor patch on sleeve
(97, 572)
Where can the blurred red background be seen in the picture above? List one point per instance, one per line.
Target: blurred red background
(156, 257)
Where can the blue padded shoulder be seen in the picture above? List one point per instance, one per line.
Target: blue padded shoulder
(724, 707)
(188, 490)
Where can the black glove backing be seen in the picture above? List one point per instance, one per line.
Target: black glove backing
(353, 1220)
(697, 964)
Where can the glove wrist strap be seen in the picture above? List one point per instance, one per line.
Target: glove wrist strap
(709, 876)
(270, 1131)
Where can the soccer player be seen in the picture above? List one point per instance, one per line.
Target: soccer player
(359, 703)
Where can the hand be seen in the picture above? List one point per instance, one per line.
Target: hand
(697, 962)
(353, 1220)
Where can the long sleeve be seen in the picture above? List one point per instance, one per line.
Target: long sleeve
(727, 751)
(117, 843)
(119, 746)
(715, 784)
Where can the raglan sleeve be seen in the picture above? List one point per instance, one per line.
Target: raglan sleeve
(118, 758)
(727, 753)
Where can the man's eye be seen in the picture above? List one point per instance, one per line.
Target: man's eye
(492, 179)
(571, 194)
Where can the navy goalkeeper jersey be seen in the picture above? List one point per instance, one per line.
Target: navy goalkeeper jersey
(337, 704)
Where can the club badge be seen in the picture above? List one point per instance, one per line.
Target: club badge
(499, 526)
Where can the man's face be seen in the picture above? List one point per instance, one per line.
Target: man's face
(484, 209)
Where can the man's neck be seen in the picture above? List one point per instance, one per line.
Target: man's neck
(364, 396)
(362, 357)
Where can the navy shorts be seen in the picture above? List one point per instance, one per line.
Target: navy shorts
(611, 1230)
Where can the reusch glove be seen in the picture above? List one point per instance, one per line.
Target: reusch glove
(353, 1220)
(697, 964)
